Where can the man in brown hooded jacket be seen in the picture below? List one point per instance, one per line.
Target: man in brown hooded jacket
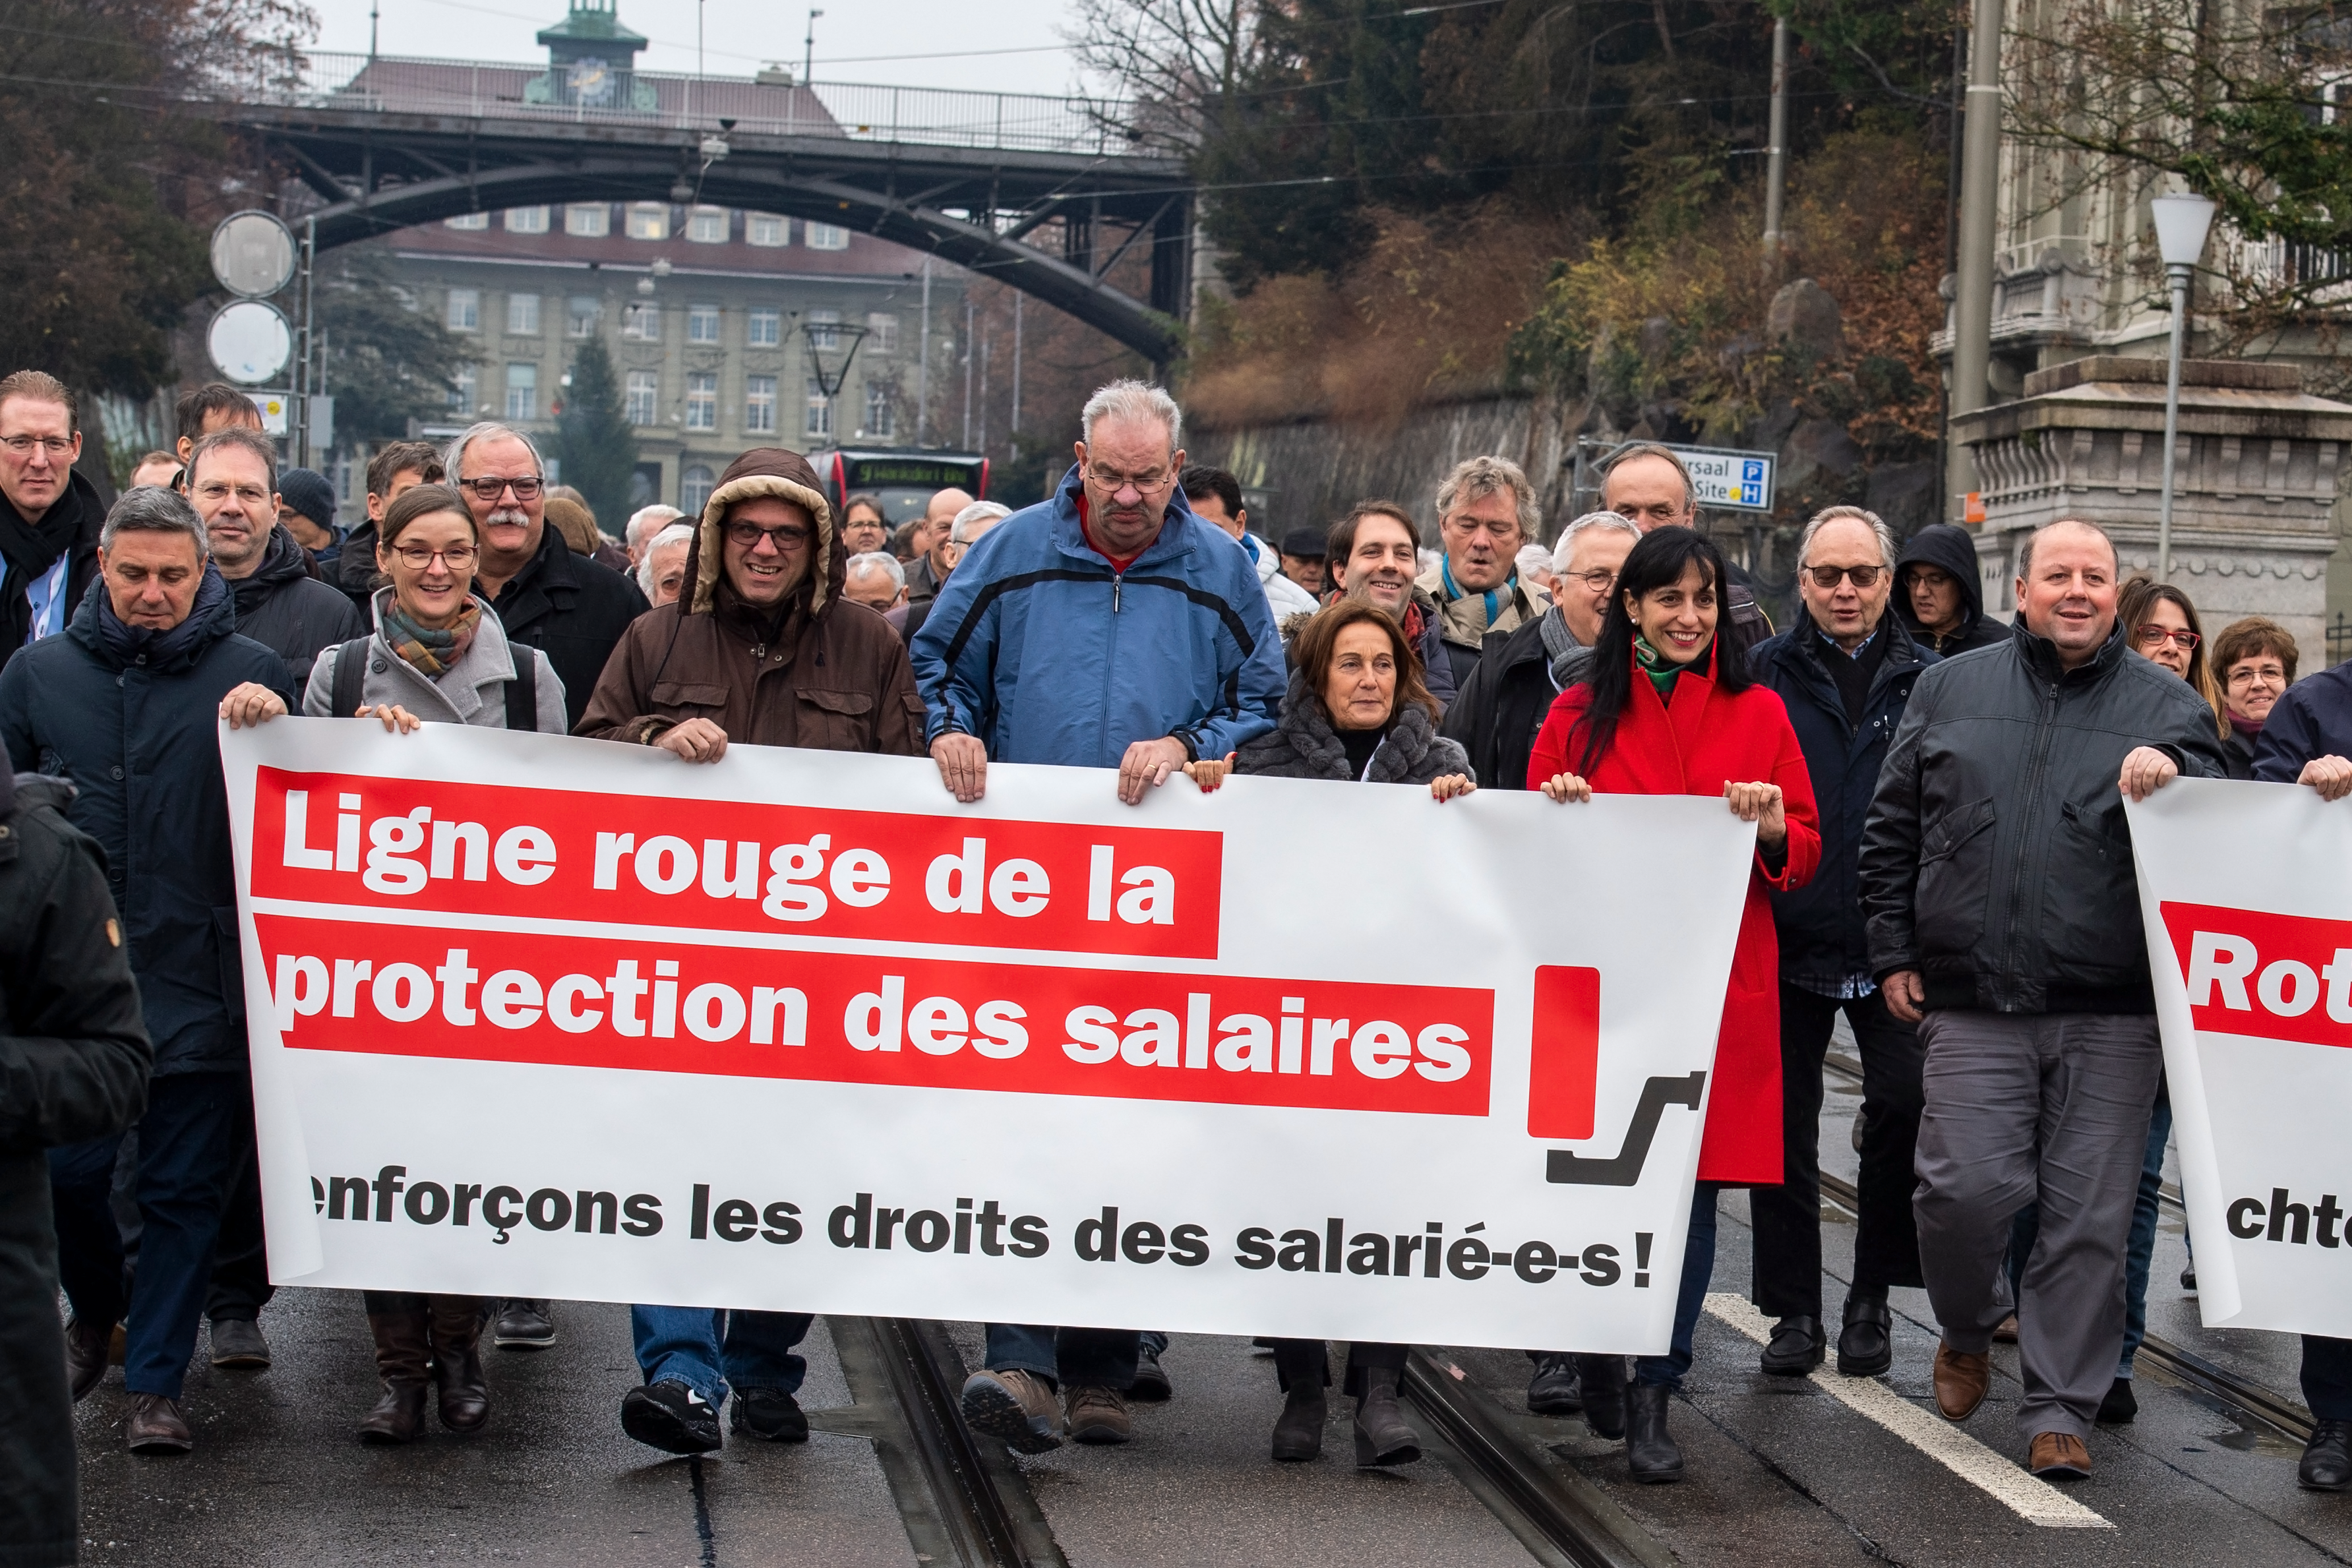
(762, 647)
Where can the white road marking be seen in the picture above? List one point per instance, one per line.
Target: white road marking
(2032, 1500)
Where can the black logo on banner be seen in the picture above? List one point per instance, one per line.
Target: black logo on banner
(1625, 1170)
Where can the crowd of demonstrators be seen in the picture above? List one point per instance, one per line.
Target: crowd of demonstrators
(2254, 664)
(661, 564)
(864, 527)
(963, 532)
(1650, 483)
(50, 512)
(1215, 496)
(1941, 596)
(1486, 512)
(1670, 709)
(1374, 555)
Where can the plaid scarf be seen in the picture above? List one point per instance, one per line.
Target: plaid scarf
(431, 652)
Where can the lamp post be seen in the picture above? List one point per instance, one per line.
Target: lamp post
(2181, 223)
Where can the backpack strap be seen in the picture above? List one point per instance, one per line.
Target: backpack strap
(351, 678)
(522, 691)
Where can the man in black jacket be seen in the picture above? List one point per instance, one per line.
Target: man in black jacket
(1940, 594)
(127, 703)
(1845, 671)
(233, 484)
(2002, 905)
(565, 606)
(73, 1066)
(50, 515)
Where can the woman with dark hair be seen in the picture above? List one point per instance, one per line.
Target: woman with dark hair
(1356, 710)
(1668, 709)
(2160, 625)
(2254, 664)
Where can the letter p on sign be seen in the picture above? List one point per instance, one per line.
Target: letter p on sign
(1564, 1052)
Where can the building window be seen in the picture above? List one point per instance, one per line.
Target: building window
(581, 314)
(702, 324)
(522, 315)
(827, 237)
(647, 221)
(881, 411)
(641, 394)
(588, 220)
(824, 330)
(465, 311)
(882, 333)
(526, 220)
(471, 220)
(641, 322)
(759, 405)
(765, 228)
(820, 409)
(462, 391)
(707, 226)
(764, 329)
(694, 487)
(702, 400)
(522, 392)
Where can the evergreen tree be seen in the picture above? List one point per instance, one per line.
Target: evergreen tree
(386, 361)
(593, 440)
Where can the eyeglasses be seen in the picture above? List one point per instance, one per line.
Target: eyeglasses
(1828, 577)
(22, 446)
(491, 490)
(749, 534)
(1144, 484)
(2156, 637)
(2249, 675)
(1595, 581)
(418, 557)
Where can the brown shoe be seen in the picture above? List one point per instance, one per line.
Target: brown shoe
(2007, 1333)
(1961, 1380)
(1098, 1415)
(2059, 1457)
(85, 1358)
(156, 1427)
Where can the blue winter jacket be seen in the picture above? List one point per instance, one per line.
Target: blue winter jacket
(141, 741)
(2312, 719)
(1039, 648)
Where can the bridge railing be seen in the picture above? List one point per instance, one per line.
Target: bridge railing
(770, 105)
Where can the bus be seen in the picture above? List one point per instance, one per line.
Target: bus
(902, 479)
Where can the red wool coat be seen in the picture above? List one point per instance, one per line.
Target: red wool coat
(1704, 739)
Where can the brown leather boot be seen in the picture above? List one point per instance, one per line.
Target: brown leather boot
(401, 1356)
(457, 1363)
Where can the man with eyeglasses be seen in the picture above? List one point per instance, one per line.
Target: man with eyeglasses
(762, 647)
(1845, 671)
(232, 481)
(1648, 482)
(1940, 592)
(565, 606)
(49, 514)
(1486, 513)
(932, 562)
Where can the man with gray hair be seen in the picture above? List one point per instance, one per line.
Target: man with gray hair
(661, 564)
(566, 606)
(1845, 671)
(963, 532)
(1485, 514)
(1649, 482)
(1105, 627)
(876, 580)
(127, 703)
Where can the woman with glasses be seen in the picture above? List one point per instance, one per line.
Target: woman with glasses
(2254, 659)
(1670, 708)
(2160, 625)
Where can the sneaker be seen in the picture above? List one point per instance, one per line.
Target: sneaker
(1017, 1408)
(1556, 1389)
(237, 1343)
(768, 1413)
(1150, 1385)
(672, 1417)
(1098, 1415)
(525, 1325)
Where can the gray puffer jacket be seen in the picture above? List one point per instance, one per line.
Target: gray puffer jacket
(1302, 745)
(472, 693)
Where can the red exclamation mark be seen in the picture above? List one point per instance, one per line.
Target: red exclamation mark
(1564, 1053)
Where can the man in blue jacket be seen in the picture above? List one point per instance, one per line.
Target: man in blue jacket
(1844, 670)
(1105, 627)
(126, 705)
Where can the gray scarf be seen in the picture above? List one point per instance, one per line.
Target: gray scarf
(1559, 643)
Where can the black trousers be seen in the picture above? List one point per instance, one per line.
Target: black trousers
(1789, 1217)
(2327, 1377)
(240, 1284)
(1310, 1360)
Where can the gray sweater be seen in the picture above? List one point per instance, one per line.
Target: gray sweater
(471, 693)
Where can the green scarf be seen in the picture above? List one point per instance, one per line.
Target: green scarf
(430, 651)
(1660, 670)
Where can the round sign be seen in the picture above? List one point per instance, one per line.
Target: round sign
(250, 341)
(253, 254)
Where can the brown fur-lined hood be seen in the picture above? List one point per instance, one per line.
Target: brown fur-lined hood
(764, 471)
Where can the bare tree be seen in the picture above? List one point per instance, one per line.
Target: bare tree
(1174, 66)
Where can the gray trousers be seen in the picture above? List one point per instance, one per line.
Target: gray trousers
(2023, 1109)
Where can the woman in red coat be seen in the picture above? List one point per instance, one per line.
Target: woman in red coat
(1668, 709)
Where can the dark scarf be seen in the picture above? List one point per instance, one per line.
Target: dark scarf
(30, 549)
(156, 648)
(1558, 643)
(431, 651)
(2249, 728)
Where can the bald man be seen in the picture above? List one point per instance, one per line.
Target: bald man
(930, 565)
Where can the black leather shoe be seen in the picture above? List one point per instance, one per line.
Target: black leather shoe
(1603, 1381)
(1555, 1389)
(1796, 1349)
(768, 1413)
(2120, 1405)
(1650, 1451)
(1866, 1343)
(523, 1325)
(2327, 1463)
(1150, 1385)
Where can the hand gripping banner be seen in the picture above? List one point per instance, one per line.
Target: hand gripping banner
(541, 1016)
(2249, 912)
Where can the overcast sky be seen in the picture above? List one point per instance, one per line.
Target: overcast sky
(1007, 46)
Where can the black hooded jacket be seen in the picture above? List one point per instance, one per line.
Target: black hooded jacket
(1949, 549)
(28, 550)
(282, 606)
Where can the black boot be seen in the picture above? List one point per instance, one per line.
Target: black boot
(400, 1359)
(1604, 1380)
(1649, 1450)
(1299, 1430)
(1866, 1344)
(1554, 1390)
(1384, 1436)
(457, 1363)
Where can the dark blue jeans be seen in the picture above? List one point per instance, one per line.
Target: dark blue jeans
(1084, 1358)
(2327, 1377)
(1690, 1297)
(710, 1349)
(2140, 1251)
(188, 1148)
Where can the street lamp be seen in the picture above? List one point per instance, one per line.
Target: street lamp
(2181, 223)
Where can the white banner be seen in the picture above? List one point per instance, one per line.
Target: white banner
(2249, 915)
(541, 1017)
